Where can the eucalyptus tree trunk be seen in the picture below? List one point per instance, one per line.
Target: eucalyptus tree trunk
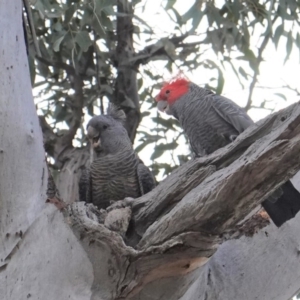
(56, 251)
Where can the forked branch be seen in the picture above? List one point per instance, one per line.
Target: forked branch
(183, 221)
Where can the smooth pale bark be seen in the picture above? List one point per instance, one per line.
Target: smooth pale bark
(23, 174)
(263, 267)
(72, 254)
(40, 256)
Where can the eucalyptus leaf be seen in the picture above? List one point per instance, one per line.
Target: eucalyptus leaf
(57, 43)
(281, 96)
(169, 4)
(243, 73)
(278, 33)
(289, 46)
(81, 37)
(83, 40)
(162, 148)
(69, 13)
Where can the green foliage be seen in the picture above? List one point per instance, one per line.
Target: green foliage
(83, 35)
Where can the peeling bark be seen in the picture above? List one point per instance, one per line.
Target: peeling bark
(266, 152)
(67, 182)
(216, 195)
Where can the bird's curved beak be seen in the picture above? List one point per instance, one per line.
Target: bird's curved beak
(163, 106)
(94, 136)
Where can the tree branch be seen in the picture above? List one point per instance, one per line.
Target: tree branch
(203, 203)
(273, 139)
(126, 93)
(158, 49)
(127, 62)
(258, 61)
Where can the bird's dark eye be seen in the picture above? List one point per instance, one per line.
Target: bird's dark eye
(167, 92)
(105, 126)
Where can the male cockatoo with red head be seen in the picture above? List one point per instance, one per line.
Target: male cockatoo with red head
(212, 121)
(209, 120)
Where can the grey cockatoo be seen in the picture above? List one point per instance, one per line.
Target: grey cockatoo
(212, 121)
(116, 171)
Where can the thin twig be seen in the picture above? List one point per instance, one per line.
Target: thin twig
(259, 60)
(143, 56)
(97, 74)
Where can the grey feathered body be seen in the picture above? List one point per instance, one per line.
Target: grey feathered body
(115, 172)
(210, 121)
(114, 177)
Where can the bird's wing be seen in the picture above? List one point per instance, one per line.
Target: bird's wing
(146, 179)
(231, 112)
(85, 183)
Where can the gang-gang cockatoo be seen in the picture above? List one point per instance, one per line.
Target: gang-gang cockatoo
(116, 171)
(212, 121)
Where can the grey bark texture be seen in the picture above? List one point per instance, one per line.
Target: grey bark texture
(23, 173)
(196, 241)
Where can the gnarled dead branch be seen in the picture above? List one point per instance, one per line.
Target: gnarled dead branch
(184, 220)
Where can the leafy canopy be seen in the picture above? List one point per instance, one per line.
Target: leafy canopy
(88, 47)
